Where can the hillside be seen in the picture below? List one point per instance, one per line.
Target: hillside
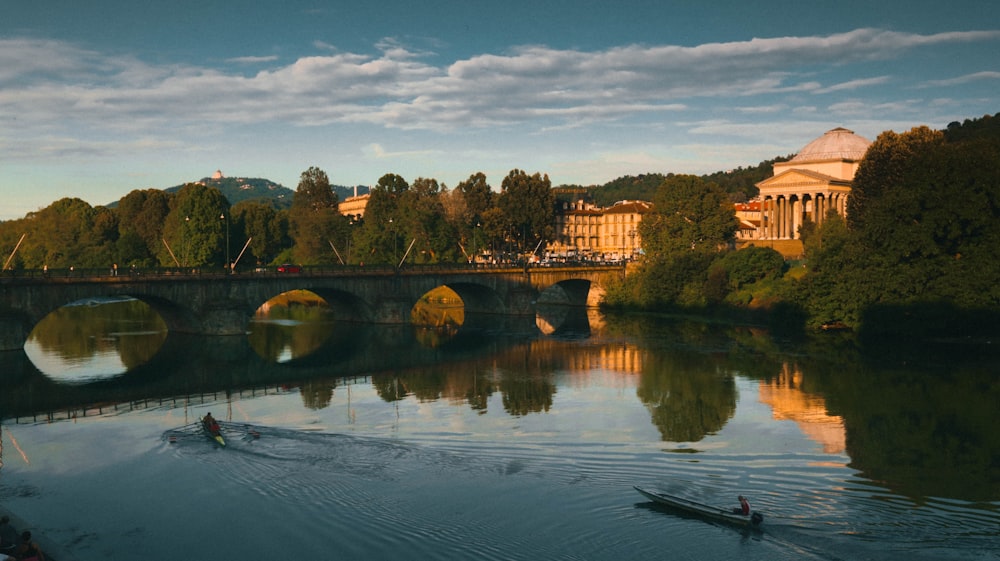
(239, 189)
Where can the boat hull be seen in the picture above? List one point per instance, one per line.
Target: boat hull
(716, 514)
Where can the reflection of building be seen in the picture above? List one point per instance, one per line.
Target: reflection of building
(814, 182)
(585, 230)
(789, 403)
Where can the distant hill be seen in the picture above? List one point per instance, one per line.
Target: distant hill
(239, 189)
(740, 183)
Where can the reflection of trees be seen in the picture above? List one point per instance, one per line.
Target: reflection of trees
(923, 429)
(526, 392)
(130, 328)
(295, 329)
(317, 394)
(687, 395)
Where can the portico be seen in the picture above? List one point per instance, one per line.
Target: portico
(817, 180)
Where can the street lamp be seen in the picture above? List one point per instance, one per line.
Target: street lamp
(228, 265)
(394, 250)
(631, 234)
(475, 234)
(187, 244)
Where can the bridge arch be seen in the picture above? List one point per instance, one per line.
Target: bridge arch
(223, 304)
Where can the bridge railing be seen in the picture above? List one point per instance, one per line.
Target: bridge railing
(74, 274)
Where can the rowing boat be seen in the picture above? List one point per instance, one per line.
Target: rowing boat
(718, 514)
(213, 432)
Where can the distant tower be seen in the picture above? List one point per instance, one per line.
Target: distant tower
(217, 174)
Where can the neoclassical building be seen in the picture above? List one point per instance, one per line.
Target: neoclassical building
(806, 187)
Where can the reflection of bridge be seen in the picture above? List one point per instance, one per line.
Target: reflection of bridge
(219, 304)
(191, 369)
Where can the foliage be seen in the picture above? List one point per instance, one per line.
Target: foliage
(688, 214)
(314, 222)
(741, 183)
(380, 236)
(264, 227)
(528, 208)
(194, 231)
(640, 187)
(750, 265)
(142, 213)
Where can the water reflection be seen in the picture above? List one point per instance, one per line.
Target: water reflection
(95, 339)
(923, 430)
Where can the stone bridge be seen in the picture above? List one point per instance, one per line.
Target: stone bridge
(221, 304)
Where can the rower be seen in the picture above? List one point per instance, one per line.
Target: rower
(744, 507)
(210, 423)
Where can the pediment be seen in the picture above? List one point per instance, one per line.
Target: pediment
(800, 179)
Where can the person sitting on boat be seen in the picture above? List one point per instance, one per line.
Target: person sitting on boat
(744, 507)
(210, 423)
(29, 550)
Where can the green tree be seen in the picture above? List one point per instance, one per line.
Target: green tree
(195, 234)
(422, 218)
(382, 232)
(528, 207)
(688, 213)
(314, 220)
(142, 213)
(264, 226)
(69, 232)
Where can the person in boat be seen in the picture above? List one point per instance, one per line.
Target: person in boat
(744, 507)
(210, 423)
(28, 550)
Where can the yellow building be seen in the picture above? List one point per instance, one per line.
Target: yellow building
(586, 231)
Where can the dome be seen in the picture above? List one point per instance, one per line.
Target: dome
(836, 144)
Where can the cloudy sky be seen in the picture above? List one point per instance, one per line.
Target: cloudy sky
(100, 98)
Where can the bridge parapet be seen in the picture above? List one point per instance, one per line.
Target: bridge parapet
(217, 303)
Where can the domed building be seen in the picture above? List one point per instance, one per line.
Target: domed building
(809, 185)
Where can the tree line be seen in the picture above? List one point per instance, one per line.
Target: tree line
(197, 227)
(917, 247)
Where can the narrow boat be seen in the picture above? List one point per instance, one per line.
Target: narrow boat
(718, 514)
(213, 431)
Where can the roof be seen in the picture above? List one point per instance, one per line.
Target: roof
(835, 144)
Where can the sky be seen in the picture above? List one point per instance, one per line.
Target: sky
(100, 98)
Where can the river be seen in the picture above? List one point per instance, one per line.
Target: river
(504, 443)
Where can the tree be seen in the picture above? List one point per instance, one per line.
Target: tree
(528, 207)
(193, 230)
(688, 214)
(423, 220)
(263, 225)
(314, 220)
(379, 238)
(478, 196)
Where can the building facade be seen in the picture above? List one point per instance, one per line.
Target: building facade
(810, 185)
(585, 231)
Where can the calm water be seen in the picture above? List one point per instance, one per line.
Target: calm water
(348, 442)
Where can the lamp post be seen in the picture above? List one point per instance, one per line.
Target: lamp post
(187, 244)
(475, 235)
(229, 266)
(631, 234)
(393, 230)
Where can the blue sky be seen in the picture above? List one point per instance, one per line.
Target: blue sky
(100, 98)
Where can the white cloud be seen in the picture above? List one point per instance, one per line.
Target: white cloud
(51, 83)
(961, 80)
